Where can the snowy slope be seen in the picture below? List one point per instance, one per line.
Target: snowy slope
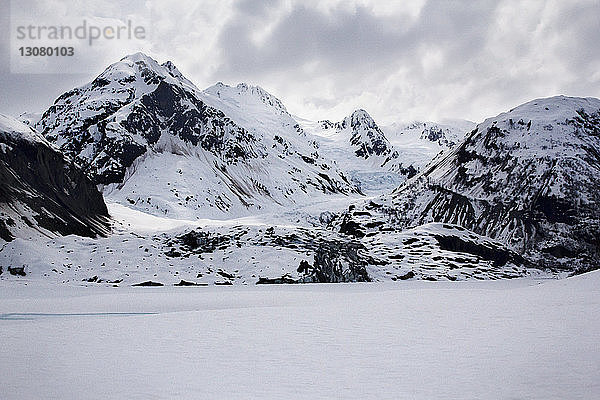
(145, 247)
(41, 192)
(156, 142)
(13, 129)
(29, 118)
(419, 142)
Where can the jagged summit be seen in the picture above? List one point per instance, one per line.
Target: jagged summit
(174, 72)
(361, 148)
(366, 137)
(137, 65)
(359, 118)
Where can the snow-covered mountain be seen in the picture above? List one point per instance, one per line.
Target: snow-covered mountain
(367, 140)
(380, 158)
(361, 148)
(42, 192)
(528, 178)
(158, 144)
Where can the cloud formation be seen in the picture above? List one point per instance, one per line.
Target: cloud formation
(399, 60)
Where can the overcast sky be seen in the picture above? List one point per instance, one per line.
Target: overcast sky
(400, 60)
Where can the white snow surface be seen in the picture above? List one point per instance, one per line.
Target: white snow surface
(30, 118)
(411, 140)
(17, 129)
(518, 339)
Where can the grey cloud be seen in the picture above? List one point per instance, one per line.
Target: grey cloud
(341, 40)
(459, 59)
(351, 44)
(255, 8)
(345, 40)
(27, 92)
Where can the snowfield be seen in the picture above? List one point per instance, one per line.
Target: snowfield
(515, 339)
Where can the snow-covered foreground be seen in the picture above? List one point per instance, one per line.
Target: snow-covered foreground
(519, 339)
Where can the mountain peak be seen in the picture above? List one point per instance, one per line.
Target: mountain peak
(239, 141)
(140, 65)
(139, 57)
(366, 136)
(359, 118)
(360, 113)
(175, 73)
(544, 124)
(134, 67)
(556, 108)
(223, 92)
(169, 66)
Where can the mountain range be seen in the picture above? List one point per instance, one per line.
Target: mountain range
(153, 179)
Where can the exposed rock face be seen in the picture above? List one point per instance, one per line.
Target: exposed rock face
(436, 134)
(369, 142)
(366, 135)
(148, 283)
(285, 279)
(42, 191)
(529, 178)
(334, 258)
(17, 271)
(338, 262)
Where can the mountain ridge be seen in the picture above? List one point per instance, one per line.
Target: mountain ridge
(239, 177)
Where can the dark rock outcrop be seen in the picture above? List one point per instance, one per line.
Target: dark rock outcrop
(337, 262)
(188, 283)
(148, 283)
(285, 279)
(40, 189)
(17, 271)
